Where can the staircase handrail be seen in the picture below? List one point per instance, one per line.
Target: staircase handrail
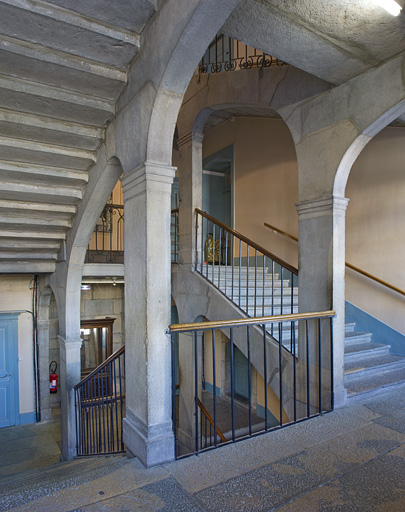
(109, 359)
(211, 421)
(348, 265)
(260, 320)
(248, 241)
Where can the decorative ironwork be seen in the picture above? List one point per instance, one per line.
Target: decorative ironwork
(228, 54)
(107, 242)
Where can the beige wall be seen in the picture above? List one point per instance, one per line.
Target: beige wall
(266, 180)
(16, 295)
(375, 226)
(266, 191)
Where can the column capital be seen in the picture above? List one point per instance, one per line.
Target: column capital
(190, 137)
(335, 205)
(149, 173)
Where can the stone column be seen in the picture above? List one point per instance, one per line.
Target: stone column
(43, 342)
(190, 185)
(148, 425)
(321, 278)
(69, 377)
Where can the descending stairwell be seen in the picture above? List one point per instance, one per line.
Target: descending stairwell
(369, 366)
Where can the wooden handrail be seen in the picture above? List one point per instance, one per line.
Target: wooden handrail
(348, 265)
(211, 421)
(284, 233)
(113, 356)
(376, 279)
(221, 324)
(248, 241)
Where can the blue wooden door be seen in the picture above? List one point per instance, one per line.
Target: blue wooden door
(8, 371)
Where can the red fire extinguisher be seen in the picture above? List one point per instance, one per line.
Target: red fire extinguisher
(53, 377)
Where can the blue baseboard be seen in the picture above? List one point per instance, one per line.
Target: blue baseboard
(382, 333)
(28, 417)
(272, 421)
(210, 388)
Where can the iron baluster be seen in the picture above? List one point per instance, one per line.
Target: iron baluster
(280, 373)
(307, 358)
(265, 375)
(215, 387)
(232, 384)
(319, 366)
(249, 381)
(196, 389)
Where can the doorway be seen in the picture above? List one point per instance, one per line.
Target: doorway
(9, 402)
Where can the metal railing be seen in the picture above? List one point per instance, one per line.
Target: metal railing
(228, 54)
(257, 281)
(207, 428)
(347, 264)
(282, 387)
(174, 235)
(100, 407)
(107, 242)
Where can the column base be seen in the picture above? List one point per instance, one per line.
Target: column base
(151, 445)
(339, 398)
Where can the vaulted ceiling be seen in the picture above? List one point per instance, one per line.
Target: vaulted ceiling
(64, 63)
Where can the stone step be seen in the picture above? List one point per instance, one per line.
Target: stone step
(60, 475)
(349, 327)
(268, 301)
(353, 337)
(259, 291)
(269, 312)
(370, 383)
(372, 366)
(363, 350)
(268, 285)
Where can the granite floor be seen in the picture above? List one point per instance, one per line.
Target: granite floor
(352, 459)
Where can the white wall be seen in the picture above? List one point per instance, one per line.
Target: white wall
(266, 190)
(16, 295)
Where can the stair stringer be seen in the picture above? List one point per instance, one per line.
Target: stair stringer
(195, 296)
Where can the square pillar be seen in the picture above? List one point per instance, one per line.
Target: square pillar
(147, 427)
(69, 377)
(190, 188)
(321, 278)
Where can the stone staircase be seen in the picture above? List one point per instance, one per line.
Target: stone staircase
(257, 293)
(369, 366)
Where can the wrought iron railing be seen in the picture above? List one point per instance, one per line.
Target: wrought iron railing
(174, 235)
(257, 281)
(100, 407)
(107, 242)
(282, 388)
(228, 54)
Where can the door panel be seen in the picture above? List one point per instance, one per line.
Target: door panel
(8, 372)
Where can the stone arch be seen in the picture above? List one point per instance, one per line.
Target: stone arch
(354, 150)
(204, 22)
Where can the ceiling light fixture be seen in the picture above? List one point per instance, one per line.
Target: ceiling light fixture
(391, 6)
